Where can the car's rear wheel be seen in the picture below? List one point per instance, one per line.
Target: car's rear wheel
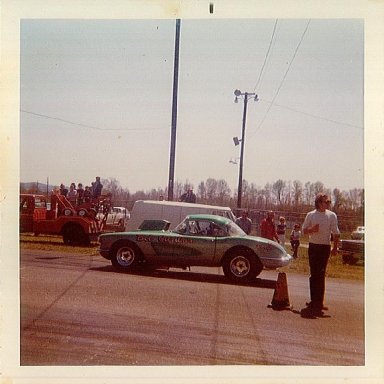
(242, 265)
(125, 256)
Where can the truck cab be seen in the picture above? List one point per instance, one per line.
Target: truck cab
(32, 209)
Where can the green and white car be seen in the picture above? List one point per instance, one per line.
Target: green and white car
(199, 240)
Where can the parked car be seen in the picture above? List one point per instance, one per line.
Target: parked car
(199, 240)
(117, 218)
(358, 233)
(172, 211)
(352, 251)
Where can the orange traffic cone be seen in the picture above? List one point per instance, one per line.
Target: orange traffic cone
(280, 298)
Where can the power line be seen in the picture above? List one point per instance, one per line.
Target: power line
(267, 54)
(284, 77)
(85, 125)
(315, 116)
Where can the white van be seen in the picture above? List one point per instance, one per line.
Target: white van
(172, 211)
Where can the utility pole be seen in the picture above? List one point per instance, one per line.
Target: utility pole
(242, 140)
(172, 154)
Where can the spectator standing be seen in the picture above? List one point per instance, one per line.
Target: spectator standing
(80, 194)
(97, 187)
(281, 227)
(87, 195)
(72, 194)
(268, 227)
(189, 196)
(63, 190)
(320, 224)
(244, 222)
(295, 239)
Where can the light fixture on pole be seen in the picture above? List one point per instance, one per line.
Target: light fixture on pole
(236, 140)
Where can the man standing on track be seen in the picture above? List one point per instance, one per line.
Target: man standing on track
(320, 224)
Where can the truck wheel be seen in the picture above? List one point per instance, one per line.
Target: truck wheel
(242, 265)
(74, 235)
(125, 256)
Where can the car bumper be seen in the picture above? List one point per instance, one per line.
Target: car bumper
(274, 263)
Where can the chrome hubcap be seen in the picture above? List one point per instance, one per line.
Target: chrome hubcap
(240, 266)
(125, 256)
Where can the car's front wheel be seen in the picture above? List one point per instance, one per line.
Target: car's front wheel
(241, 266)
(125, 256)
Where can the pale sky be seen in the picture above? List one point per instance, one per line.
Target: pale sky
(96, 100)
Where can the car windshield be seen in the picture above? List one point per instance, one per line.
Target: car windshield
(235, 230)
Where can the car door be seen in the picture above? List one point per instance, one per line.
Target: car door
(111, 216)
(194, 247)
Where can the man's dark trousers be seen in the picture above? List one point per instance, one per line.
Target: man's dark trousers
(318, 259)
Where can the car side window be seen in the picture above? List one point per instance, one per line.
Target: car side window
(182, 228)
(194, 228)
(221, 232)
(207, 228)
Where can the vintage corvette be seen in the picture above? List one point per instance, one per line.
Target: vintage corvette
(199, 240)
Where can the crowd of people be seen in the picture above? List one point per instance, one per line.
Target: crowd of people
(80, 195)
(272, 231)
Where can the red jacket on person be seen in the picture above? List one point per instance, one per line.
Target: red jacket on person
(268, 229)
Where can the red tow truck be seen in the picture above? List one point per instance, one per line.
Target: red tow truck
(77, 224)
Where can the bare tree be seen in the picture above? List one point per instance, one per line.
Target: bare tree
(223, 190)
(318, 187)
(308, 190)
(268, 195)
(178, 190)
(112, 186)
(202, 191)
(297, 192)
(278, 188)
(252, 195)
(211, 188)
(339, 200)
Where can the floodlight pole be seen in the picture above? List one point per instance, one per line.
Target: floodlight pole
(172, 154)
(240, 186)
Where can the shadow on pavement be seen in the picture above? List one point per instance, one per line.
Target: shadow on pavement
(191, 276)
(308, 313)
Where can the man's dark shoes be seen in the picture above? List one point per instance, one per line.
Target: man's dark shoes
(316, 307)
